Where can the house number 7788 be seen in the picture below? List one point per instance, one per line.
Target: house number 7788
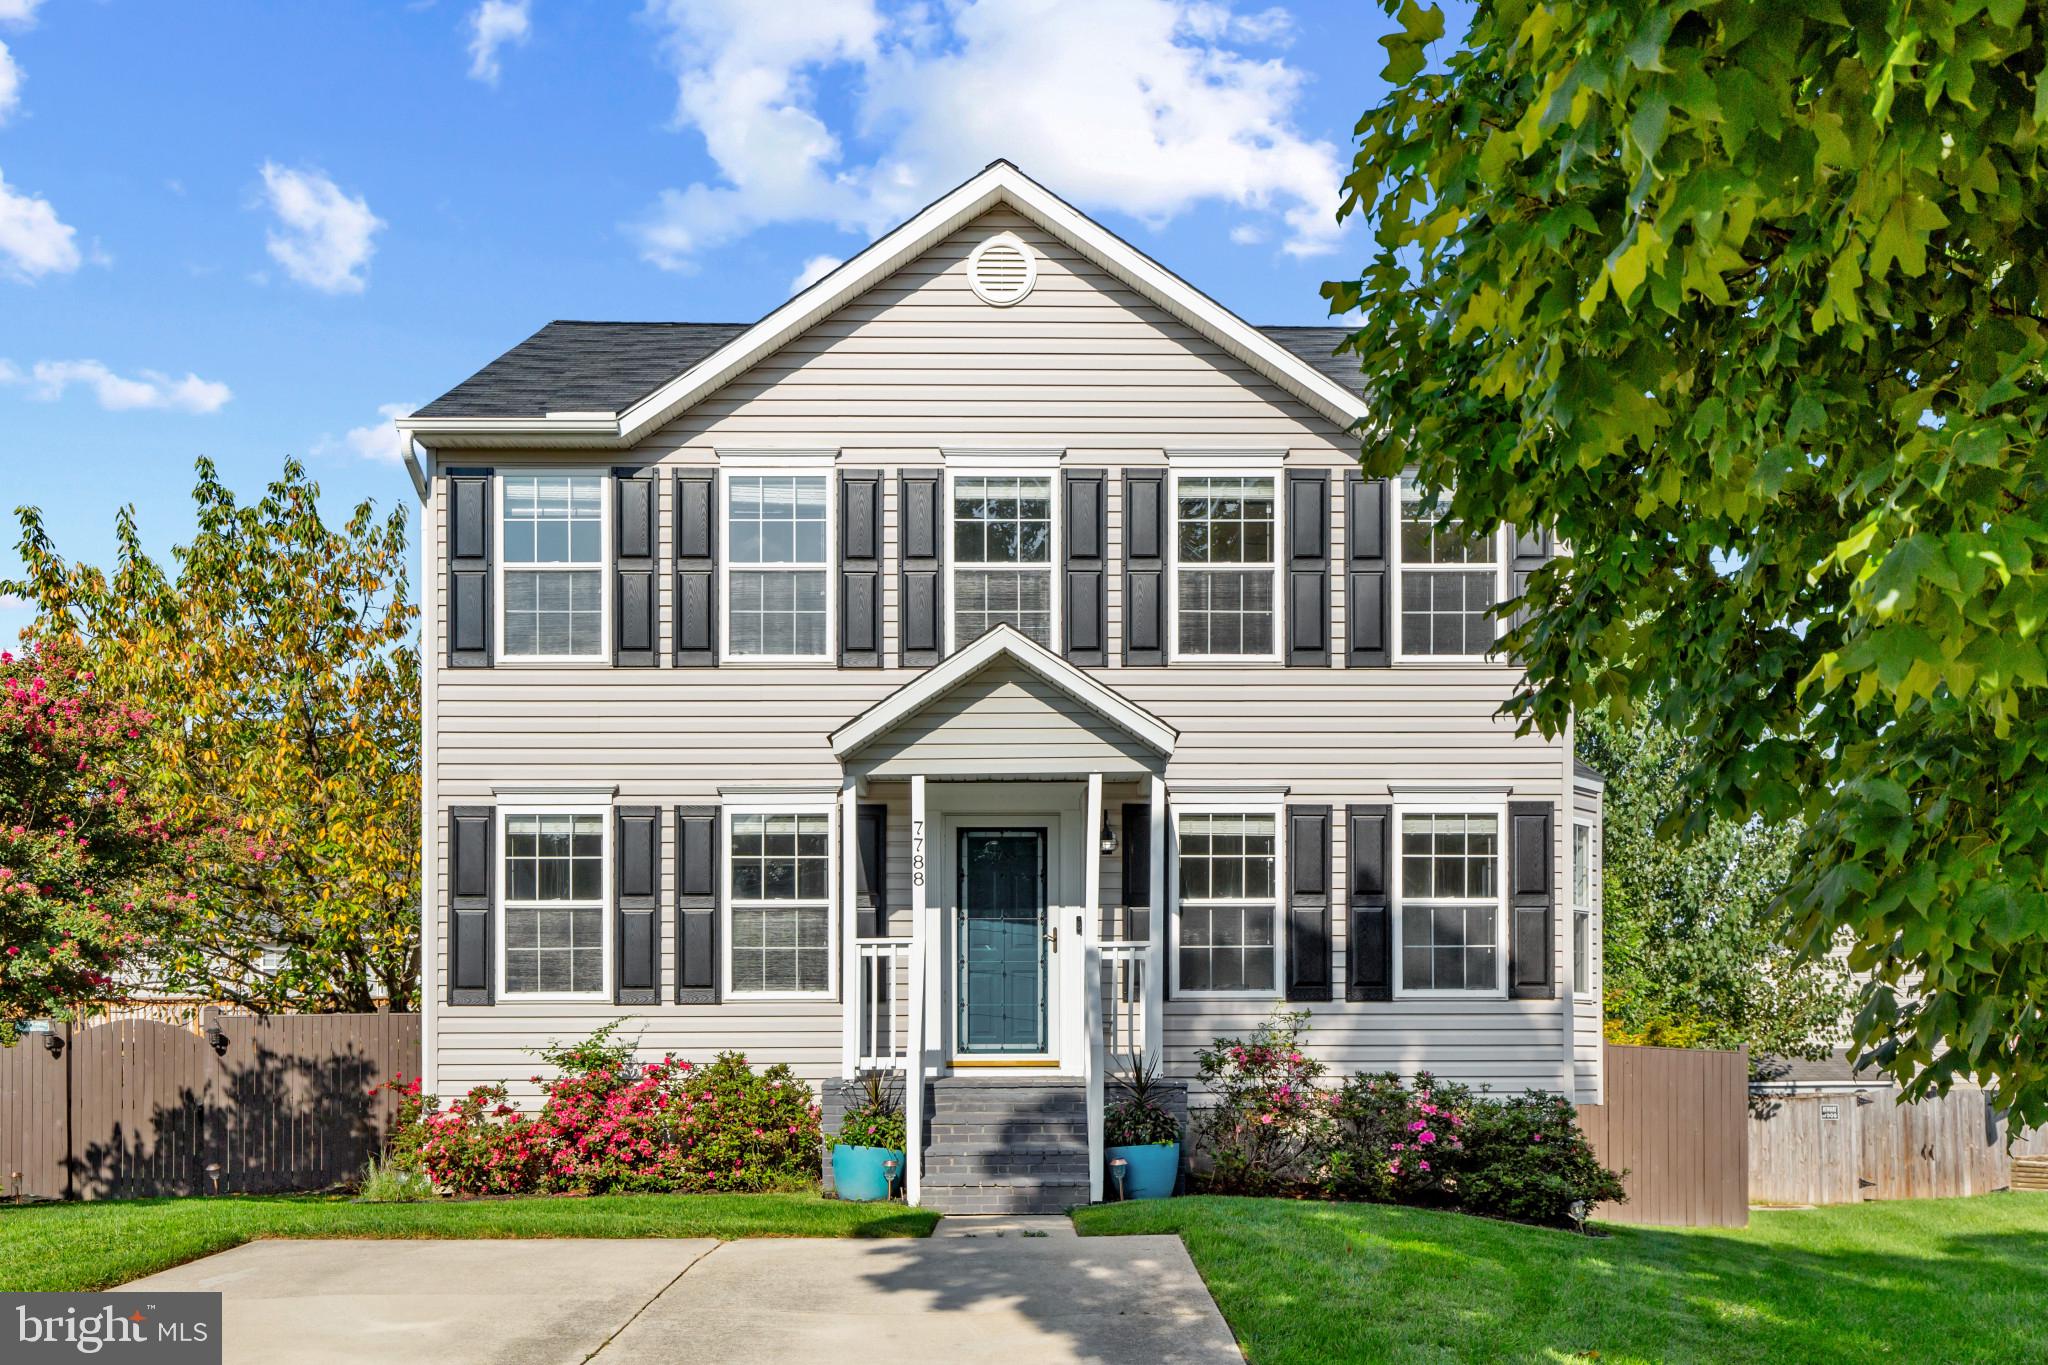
(917, 853)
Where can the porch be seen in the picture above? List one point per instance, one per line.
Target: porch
(1001, 951)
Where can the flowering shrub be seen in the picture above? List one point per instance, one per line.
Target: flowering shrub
(605, 1127)
(1399, 1145)
(1527, 1159)
(1269, 1127)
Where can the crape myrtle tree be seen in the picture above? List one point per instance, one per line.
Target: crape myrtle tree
(279, 652)
(1746, 302)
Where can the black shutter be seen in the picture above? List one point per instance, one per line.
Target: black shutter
(1086, 609)
(1369, 945)
(1138, 869)
(1368, 612)
(1144, 567)
(633, 556)
(1308, 569)
(1308, 902)
(1532, 941)
(919, 503)
(471, 882)
(469, 568)
(871, 893)
(696, 588)
(1530, 549)
(636, 895)
(860, 568)
(697, 857)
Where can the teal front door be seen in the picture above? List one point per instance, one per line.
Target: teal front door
(1001, 932)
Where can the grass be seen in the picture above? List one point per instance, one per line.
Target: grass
(85, 1246)
(1920, 1280)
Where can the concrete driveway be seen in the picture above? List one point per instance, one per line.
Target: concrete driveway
(998, 1293)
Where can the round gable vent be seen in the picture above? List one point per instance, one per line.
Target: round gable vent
(1002, 270)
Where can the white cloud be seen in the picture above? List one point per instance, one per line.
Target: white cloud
(492, 25)
(1145, 106)
(33, 242)
(1248, 234)
(324, 237)
(21, 12)
(10, 84)
(151, 390)
(378, 442)
(815, 269)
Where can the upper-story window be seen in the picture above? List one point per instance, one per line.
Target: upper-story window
(1227, 572)
(554, 936)
(1451, 912)
(553, 532)
(1227, 906)
(778, 548)
(1450, 582)
(779, 870)
(1002, 556)
(1583, 907)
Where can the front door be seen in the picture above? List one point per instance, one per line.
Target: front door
(1002, 939)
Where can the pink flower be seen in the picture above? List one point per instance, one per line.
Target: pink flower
(1263, 1118)
(1428, 1136)
(1424, 1165)
(1393, 1168)
(1537, 1138)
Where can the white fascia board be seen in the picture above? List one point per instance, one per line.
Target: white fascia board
(1000, 182)
(936, 681)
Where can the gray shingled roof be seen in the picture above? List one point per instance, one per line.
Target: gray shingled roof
(609, 366)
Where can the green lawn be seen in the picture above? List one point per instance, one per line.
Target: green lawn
(94, 1245)
(1926, 1280)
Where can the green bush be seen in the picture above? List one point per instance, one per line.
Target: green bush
(1526, 1159)
(1268, 1129)
(1397, 1145)
(385, 1182)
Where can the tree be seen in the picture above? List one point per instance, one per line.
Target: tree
(1692, 929)
(281, 653)
(1746, 302)
(79, 857)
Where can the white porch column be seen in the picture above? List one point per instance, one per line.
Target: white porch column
(922, 940)
(1091, 981)
(1155, 944)
(851, 996)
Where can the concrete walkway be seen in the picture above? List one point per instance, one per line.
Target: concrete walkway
(1011, 1290)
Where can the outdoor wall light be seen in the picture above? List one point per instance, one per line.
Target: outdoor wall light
(54, 1041)
(217, 1039)
(1108, 836)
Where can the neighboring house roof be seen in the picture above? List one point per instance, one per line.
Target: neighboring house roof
(1587, 773)
(1002, 641)
(1832, 1072)
(609, 416)
(609, 366)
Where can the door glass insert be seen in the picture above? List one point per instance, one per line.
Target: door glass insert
(1001, 930)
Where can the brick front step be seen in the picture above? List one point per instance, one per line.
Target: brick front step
(1015, 1194)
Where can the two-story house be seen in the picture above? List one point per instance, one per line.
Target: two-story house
(989, 664)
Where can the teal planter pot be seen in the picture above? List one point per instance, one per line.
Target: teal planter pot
(1151, 1173)
(858, 1173)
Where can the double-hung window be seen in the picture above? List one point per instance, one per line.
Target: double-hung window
(1228, 910)
(779, 887)
(553, 893)
(1450, 582)
(552, 529)
(1226, 566)
(1452, 918)
(1583, 907)
(1002, 556)
(778, 544)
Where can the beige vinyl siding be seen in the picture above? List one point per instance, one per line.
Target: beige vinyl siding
(1085, 368)
(1003, 707)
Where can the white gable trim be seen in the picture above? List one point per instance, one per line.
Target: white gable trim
(1002, 641)
(999, 183)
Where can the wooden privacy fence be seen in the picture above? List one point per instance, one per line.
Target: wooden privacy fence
(1675, 1121)
(134, 1107)
(1847, 1147)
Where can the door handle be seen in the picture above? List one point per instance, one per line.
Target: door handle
(1052, 936)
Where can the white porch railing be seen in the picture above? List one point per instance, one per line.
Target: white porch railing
(881, 992)
(1123, 1000)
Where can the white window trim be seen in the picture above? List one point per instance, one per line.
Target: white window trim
(771, 805)
(1228, 806)
(1583, 988)
(1196, 469)
(602, 568)
(1399, 566)
(566, 804)
(1499, 811)
(815, 465)
(1046, 468)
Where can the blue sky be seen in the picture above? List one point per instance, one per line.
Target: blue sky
(251, 230)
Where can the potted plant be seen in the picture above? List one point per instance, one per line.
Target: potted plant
(1141, 1137)
(867, 1151)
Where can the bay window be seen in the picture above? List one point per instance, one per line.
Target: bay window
(778, 546)
(1450, 582)
(779, 888)
(1451, 917)
(1582, 907)
(1002, 556)
(552, 529)
(1226, 566)
(1228, 910)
